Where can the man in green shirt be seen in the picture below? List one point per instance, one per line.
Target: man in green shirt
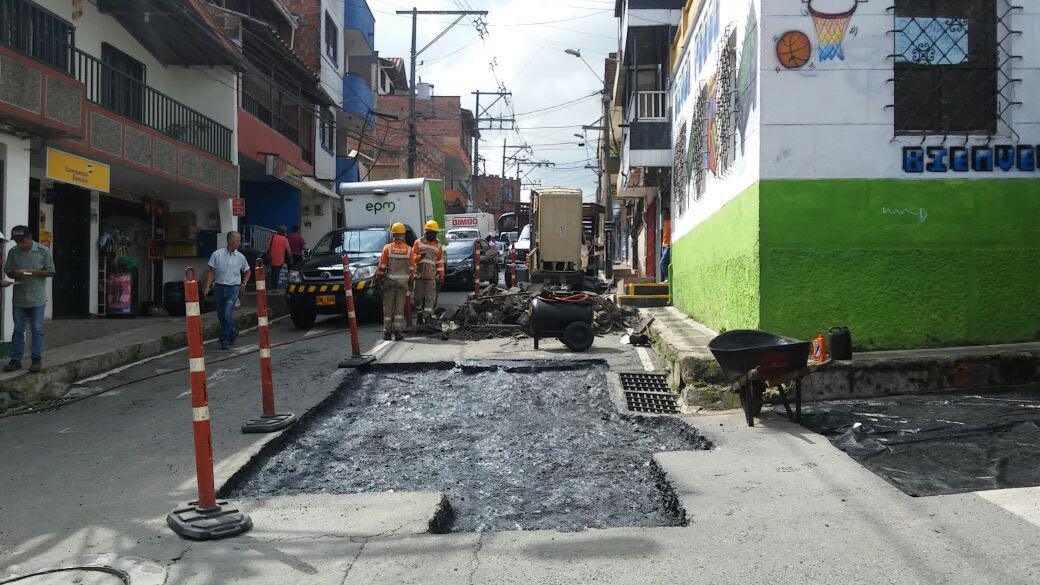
(30, 265)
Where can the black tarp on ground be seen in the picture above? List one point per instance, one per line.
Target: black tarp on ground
(939, 444)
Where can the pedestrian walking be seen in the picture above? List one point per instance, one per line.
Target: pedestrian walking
(395, 273)
(296, 245)
(278, 256)
(227, 277)
(30, 264)
(428, 256)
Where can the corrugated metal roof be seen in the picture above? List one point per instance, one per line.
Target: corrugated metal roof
(392, 186)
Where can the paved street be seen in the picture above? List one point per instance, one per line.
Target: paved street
(774, 503)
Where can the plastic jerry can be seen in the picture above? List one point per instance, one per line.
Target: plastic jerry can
(841, 343)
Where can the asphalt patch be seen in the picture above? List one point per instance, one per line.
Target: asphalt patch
(513, 447)
(939, 443)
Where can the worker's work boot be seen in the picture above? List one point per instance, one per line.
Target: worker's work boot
(398, 336)
(386, 336)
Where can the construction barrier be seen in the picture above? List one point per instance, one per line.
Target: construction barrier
(512, 263)
(206, 518)
(356, 359)
(476, 269)
(269, 421)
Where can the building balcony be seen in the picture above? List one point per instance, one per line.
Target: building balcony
(358, 97)
(47, 80)
(359, 28)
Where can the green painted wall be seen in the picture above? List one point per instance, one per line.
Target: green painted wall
(861, 253)
(715, 267)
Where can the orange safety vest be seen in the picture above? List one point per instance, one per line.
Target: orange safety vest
(397, 262)
(429, 259)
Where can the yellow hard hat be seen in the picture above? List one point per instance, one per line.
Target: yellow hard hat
(433, 226)
(397, 228)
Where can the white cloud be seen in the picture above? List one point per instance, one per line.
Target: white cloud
(530, 62)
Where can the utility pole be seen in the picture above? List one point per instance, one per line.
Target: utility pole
(412, 139)
(484, 115)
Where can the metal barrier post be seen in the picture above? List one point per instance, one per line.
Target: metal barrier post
(269, 421)
(476, 268)
(512, 263)
(356, 359)
(207, 518)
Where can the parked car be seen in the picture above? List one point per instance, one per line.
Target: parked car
(463, 234)
(459, 259)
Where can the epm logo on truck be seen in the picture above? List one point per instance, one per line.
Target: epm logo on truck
(375, 208)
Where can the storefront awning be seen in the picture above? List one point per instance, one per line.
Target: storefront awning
(318, 188)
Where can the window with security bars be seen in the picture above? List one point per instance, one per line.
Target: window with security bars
(948, 66)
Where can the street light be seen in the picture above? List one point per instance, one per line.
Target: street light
(577, 53)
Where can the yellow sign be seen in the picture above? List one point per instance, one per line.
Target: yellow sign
(46, 238)
(69, 168)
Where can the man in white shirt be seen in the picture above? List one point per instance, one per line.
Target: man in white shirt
(227, 277)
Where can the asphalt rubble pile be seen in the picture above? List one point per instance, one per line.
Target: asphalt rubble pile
(499, 312)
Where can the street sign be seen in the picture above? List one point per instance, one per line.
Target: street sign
(238, 207)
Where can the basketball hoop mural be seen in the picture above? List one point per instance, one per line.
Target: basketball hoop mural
(831, 19)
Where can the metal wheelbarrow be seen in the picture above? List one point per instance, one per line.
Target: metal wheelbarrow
(755, 360)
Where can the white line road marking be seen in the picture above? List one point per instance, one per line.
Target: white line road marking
(644, 356)
(313, 332)
(246, 348)
(382, 345)
(185, 393)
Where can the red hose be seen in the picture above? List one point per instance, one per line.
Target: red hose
(575, 298)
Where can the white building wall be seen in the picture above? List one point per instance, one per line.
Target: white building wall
(698, 69)
(331, 75)
(15, 154)
(833, 119)
(209, 90)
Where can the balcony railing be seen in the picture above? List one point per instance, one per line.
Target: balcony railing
(36, 32)
(651, 105)
(129, 97)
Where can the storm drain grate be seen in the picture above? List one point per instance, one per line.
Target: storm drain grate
(648, 393)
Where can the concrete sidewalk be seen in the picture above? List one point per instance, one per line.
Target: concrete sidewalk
(684, 344)
(91, 346)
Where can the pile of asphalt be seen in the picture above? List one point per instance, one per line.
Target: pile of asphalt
(534, 446)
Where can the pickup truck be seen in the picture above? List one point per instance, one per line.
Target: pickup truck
(316, 285)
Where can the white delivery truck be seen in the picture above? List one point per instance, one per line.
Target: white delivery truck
(484, 223)
(412, 202)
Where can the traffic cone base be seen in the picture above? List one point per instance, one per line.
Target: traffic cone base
(197, 524)
(269, 423)
(357, 361)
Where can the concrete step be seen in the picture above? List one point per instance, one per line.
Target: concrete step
(643, 301)
(648, 289)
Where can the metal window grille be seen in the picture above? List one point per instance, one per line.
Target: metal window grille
(952, 64)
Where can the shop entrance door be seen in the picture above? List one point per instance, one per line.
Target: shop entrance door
(71, 251)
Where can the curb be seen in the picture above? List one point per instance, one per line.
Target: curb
(55, 381)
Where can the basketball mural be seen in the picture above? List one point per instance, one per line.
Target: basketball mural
(794, 49)
(831, 19)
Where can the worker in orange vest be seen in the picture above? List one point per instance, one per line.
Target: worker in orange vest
(429, 271)
(396, 272)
